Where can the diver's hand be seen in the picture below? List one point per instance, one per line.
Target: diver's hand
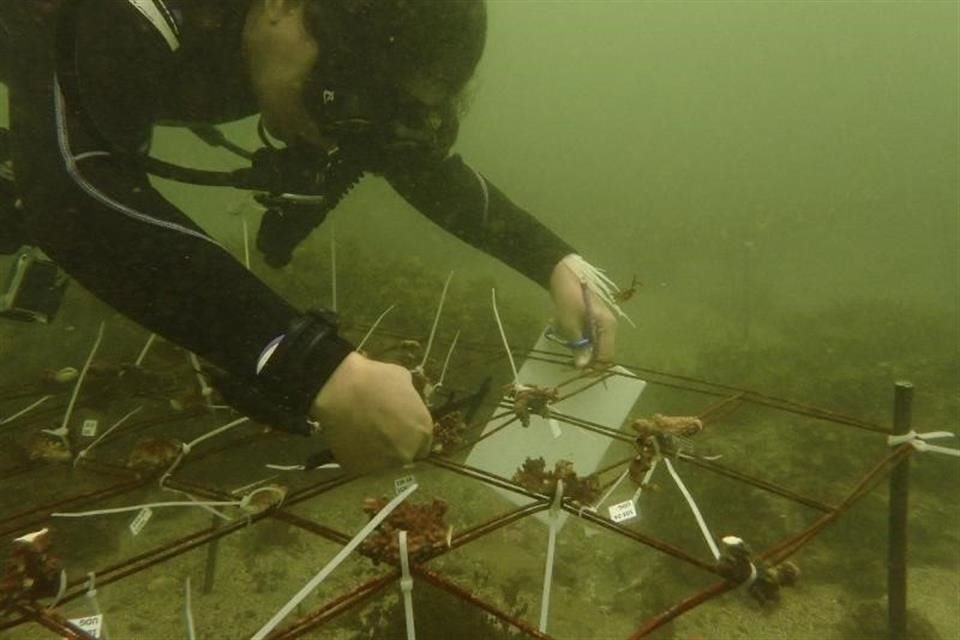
(574, 320)
(372, 416)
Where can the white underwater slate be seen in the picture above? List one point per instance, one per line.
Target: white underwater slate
(607, 404)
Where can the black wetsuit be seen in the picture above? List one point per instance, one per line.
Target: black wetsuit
(97, 215)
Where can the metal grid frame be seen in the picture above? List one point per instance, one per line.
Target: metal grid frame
(730, 399)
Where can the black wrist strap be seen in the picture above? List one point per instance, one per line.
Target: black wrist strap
(282, 394)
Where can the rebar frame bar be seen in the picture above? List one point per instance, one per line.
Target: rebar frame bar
(730, 399)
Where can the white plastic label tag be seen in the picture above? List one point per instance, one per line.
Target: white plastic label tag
(555, 428)
(400, 484)
(623, 511)
(143, 517)
(93, 625)
(89, 428)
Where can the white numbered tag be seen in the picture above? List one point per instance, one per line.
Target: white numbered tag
(623, 511)
(138, 523)
(93, 625)
(401, 484)
(555, 428)
(89, 428)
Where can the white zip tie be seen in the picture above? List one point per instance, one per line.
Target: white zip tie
(302, 467)
(554, 527)
(919, 442)
(446, 361)
(187, 447)
(25, 410)
(286, 467)
(215, 432)
(406, 586)
(91, 595)
(64, 431)
(436, 322)
(596, 506)
(146, 348)
(103, 435)
(647, 475)
(206, 391)
(374, 326)
(333, 564)
(251, 485)
(62, 590)
(506, 345)
(188, 611)
(696, 511)
(598, 282)
(246, 241)
(152, 505)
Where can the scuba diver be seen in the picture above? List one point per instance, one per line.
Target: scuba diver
(343, 88)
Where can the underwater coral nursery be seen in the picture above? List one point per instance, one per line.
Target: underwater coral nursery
(86, 491)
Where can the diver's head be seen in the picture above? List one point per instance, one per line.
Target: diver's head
(393, 70)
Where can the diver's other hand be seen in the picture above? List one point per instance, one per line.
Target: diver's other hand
(372, 416)
(573, 320)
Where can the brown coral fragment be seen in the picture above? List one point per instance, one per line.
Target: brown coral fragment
(424, 523)
(150, 454)
(31, 571)
(534, 476)
(48, 448)
(661, 425)
(264, 498)
(531, 399)
(449, 432)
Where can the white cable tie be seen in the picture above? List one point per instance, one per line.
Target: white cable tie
(598, 282)
(333, 564)
(286, 467)
(556, 506)
(61, 590)
(188, 611)
(704, 530)
(406, 585)
(919, 441)
(596, 506)
(91, 585)
(649, 474)
(753, 577)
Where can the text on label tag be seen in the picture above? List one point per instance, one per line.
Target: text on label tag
(623, 511)
(89, 428)
(143, 516)
(401, 484)
(91, 624)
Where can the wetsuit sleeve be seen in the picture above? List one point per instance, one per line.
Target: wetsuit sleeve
(99, 217)
(464, 203)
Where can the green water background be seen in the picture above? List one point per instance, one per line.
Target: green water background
(782, 177)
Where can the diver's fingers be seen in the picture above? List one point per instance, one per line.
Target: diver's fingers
(605, 338)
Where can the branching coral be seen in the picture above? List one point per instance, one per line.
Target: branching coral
(534, 476)
(424, 524)
(31, 571)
